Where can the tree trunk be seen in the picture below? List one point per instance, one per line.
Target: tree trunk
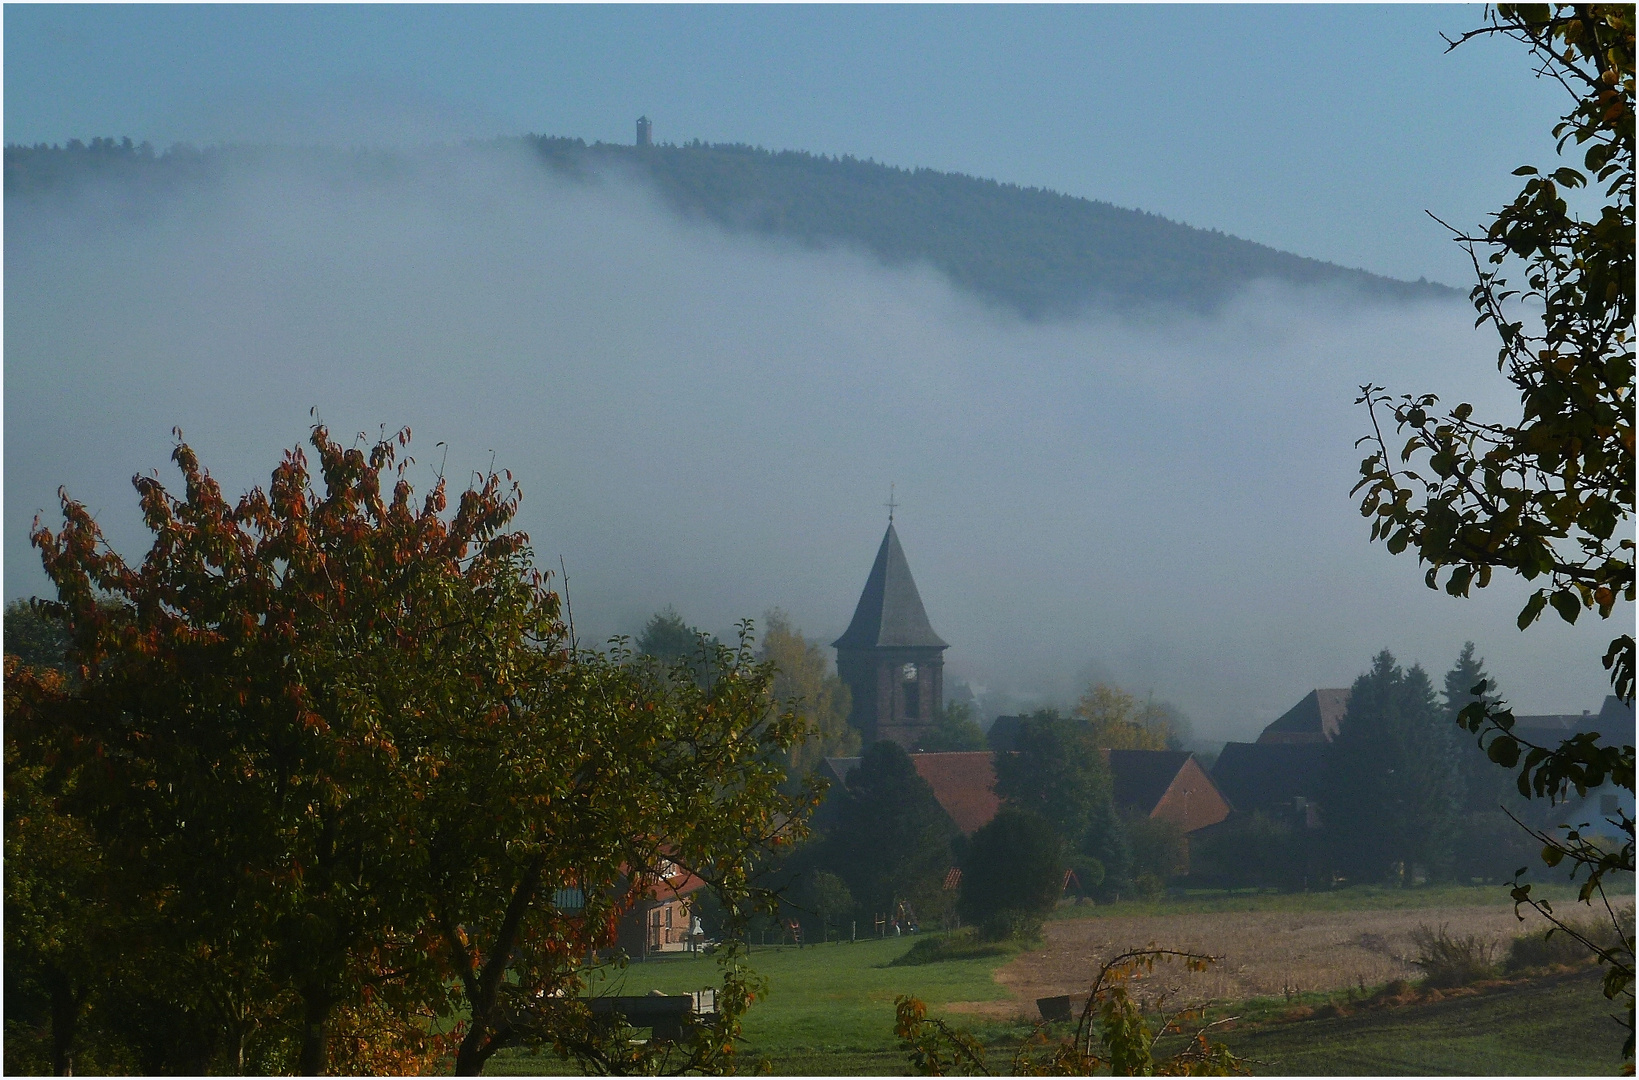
(469, 1060)
(65, 1017)
(315, 1053)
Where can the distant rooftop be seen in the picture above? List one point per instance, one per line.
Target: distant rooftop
(890, 611)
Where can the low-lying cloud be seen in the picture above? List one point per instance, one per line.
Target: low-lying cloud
(713, 421)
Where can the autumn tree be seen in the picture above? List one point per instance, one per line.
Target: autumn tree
(804, 682)
(1547, 497)
(1120, 722)
(341, 737)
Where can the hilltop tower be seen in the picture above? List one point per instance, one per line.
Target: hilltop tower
(889, 656)
(645, 132)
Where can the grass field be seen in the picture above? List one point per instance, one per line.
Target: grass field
(1552, 1027)
(829, 1010)
(1354, 898)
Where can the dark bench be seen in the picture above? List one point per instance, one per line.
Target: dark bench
(666, 1015)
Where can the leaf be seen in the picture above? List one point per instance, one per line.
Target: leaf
(1567, 604)
(1533, 608)
(1504, 750)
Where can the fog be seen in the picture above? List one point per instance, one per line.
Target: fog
(713, 421)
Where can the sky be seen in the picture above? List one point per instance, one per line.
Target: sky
(1324, 130)
(712, 421)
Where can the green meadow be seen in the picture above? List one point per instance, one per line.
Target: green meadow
(829, 1009)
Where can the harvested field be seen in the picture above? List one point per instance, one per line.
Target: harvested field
(1265, 953)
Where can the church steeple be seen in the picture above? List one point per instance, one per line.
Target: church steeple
(890, 610)
(889, 656)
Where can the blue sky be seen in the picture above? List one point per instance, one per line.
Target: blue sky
(1323, 130)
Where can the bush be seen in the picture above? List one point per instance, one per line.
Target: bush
(1014, 864)
(1089, 873)
(1253, 850)
(1554, 948)
(1012, 925)
(962, 944)
(1452, 961)
(1159, 849)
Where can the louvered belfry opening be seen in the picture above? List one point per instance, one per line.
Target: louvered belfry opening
(889, 656)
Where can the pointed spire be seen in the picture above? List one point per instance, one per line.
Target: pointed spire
(890, 611)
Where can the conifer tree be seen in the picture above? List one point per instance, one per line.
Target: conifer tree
(1393, 789)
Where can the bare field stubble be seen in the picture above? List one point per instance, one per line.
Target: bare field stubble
(1264, 953)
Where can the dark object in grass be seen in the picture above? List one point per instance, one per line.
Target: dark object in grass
(667, 1015)
(1447, 960)
(1055, 1009)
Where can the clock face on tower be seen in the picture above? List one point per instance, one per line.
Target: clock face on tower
(909, 672)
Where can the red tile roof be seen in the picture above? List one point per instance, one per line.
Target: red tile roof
(964, 783)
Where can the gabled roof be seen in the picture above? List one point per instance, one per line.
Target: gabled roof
(1141, 777)
(890, 611)
(963, 783)
(1315, 719)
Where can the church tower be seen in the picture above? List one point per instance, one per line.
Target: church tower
(890, 657)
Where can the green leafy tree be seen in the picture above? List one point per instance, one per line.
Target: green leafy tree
(1250, 850)
(1393, 788)
(342, 740)
(1160, 852)
(954, 729)
(1015, 863)
(34, 638)
(1058, 771)
(805, 683)
(892, 840)
(1548, 497)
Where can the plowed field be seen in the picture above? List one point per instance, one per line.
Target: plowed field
(1264, 953)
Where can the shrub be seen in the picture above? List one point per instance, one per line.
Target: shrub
(1148, 886)
(963, 944)
(1089, 873)
(1555, 947)
(1452, 961)
(1159, 849)
(1012, 925)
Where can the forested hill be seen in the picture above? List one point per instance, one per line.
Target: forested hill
(1036, 251)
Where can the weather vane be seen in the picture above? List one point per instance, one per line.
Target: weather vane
(890, 504)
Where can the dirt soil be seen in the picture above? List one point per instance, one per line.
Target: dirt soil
(1264, 953)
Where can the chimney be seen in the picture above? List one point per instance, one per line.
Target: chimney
(645, 132)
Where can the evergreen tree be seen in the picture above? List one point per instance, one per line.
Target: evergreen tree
(1485, 786)
(1394, 788)
(667, 638)
(891, 841)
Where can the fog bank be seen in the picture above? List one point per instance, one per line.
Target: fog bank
(713, 422)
